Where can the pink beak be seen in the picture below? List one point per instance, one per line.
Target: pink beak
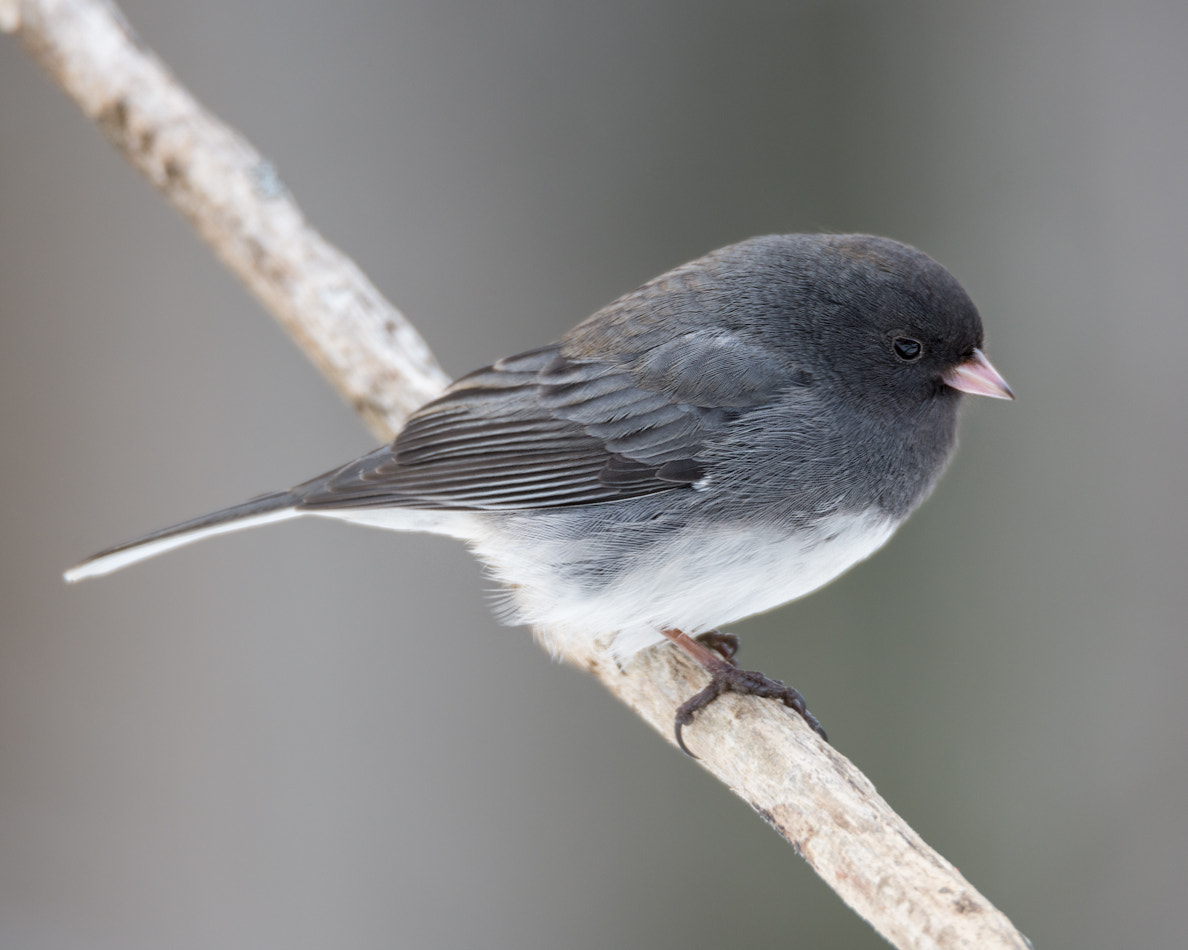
(978, 377)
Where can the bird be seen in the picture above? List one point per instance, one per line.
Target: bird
(729, 437)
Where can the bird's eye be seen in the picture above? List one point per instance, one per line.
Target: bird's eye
(907, 349)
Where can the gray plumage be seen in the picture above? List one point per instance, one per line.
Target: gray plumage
(747, 412)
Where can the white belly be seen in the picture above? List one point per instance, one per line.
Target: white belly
(695, 583)
(696, 580)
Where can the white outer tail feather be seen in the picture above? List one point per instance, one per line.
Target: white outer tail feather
(107, 563)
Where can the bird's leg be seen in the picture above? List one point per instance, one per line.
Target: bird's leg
(715, 651)
(725, 644)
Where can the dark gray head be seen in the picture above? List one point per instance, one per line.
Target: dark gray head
(876, 318)
(853, 350)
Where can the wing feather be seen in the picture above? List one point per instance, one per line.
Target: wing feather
(547, 429)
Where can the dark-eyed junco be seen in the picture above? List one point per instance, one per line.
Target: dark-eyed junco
(729, 437)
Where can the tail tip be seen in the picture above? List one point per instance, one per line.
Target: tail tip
(80, 572)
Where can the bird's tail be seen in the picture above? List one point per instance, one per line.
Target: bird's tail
(276, 506)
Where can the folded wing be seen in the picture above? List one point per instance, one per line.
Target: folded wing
(547, 429)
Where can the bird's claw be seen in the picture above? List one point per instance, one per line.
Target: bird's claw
(728, 678)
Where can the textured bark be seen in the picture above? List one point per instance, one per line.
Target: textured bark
(237, 203)
(808, 792)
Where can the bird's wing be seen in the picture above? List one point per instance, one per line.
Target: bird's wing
(547, 429)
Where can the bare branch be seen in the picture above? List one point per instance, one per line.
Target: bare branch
(811, 794)
(234, 199)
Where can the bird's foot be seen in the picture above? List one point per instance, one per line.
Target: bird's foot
(715, 652)
(724, 644)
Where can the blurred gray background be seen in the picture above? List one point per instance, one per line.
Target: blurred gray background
(316, 736)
